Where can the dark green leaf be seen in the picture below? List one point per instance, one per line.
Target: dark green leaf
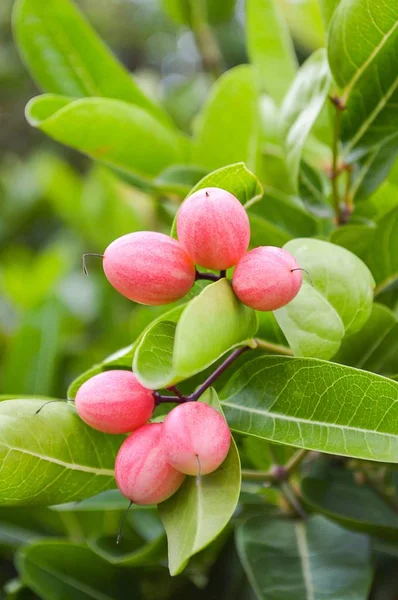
(316, 405)
(128, 553)
(200, 510)
(270, 47)
(53, 456)
(65, 55)
(57, 570)
(312, 560)
(119, 134)
(332, 490)
(362, 50)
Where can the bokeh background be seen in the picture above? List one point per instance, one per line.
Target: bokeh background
(55, 205)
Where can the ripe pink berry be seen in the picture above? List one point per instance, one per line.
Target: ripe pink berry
(149, 268)
(213, 228)
(193, 431)
(264, 278)
(142, 472)
(114, 402)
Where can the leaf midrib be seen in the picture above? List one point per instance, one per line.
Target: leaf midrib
(303, 551)
(66, 465)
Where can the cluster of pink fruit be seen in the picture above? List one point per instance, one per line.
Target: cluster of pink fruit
(152, 268)
(152, 462)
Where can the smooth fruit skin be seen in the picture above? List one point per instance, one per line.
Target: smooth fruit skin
(149, 268)
(142, 472)
(114, 402)
(263, 278)
(213, 227)
(193, 430)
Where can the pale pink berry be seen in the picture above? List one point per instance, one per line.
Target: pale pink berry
(114, 402)
(149, 268)
(196, 437)
(213, 227)
(267, 278)
(142, 472)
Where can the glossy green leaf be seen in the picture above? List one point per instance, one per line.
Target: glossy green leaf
(128, 553)
(337, 302)
(270, 47)
(66, 56)
(316, 405)
(236, 179)
(57, 570)
(375, 346)
(332, 490)
(373, 209)
(372, 169)
(311, 560)
(119, 134)
(380, 252)
(53, 456)
(305, 22)
(327, 10)
(228, 126)
(171, 351)
(362, 50)
(302, 105)
(199, 511)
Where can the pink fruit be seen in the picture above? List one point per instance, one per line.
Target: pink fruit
(142, 472)
(265, 279)
(149, 268)
(114, 402)
(213, 228)
(195, 431)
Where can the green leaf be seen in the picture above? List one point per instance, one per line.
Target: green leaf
(332, 490)
(199, 511)
(217, 12)
(264, 233)
(305, 22)
(56, 456)
(33, 354)
(228, 126)
(373, 209)
(362, 52)
(236, 179)
(316, 405)
(327, 10)
(172, 350)
(270, 47)
(57, 570)
(119, 134)
(179, 179)
(372, 169)
(380, 252)
(128, 553)
(66, 56)
(338, 302)
(311, 560)
(375, 346)
(302, 105)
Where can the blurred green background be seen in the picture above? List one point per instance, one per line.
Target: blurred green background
(55, 205)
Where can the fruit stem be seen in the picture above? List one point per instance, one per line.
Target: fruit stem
(216, 374)
(85, 272)
(274, 348)
(209, 276)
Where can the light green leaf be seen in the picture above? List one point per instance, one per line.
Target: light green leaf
(380, 253)
(302, 105)
(66, 56)
(333, 491)
(56, 456)
(56, 570)
(316, 405)
(375, 346)
(210, 325)
(199, 511)
(236, 179)
(270, 47)
(264, 233)
(228, 126)
(327, 10)
(119, 134)
(338, 302)
(362, 50)
(311, 560)
(305, 22)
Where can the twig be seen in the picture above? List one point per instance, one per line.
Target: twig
(270, 347)
(335, 171)
(205, 39)
(295, 461)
